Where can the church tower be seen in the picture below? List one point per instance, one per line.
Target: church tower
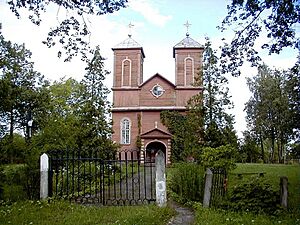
(188, 61)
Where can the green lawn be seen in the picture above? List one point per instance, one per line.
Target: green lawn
(58, 212)
(272, 174)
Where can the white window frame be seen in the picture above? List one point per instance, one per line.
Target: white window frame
(125, 131)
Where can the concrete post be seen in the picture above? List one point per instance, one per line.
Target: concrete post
(44, 168)
(161, 192)
(284, 192)
(207, 189)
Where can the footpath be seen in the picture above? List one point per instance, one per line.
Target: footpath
(185, 216)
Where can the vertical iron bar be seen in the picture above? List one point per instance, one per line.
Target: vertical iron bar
(90, 173)
(113, 170)
(62, 173)
(67, 170)
(78, 172)
(145, 181)
(120, 162)
(73, 173)
(132, 176)
(126, 163)
(139, 176)
(84, 176)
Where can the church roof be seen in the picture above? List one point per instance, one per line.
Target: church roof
(187, 42)
(129, 43)
(160, 76)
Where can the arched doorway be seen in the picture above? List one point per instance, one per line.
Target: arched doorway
(152, 148)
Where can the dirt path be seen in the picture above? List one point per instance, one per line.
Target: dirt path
(185, 215)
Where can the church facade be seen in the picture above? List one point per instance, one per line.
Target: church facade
(137, 104)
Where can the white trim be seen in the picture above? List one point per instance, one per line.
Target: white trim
(122, 77)
(149, 108)
(193, 67)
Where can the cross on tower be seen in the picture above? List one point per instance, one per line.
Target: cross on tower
(130, 26)
(187, 25)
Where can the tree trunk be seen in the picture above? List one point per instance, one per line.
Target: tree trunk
(262, 148)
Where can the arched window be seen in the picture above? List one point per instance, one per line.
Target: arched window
(189, 71)
(126, 72)
(125, 131)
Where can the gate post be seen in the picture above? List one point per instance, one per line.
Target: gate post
(44, 168)
(207, 189)
(284, 192)
(160, 179)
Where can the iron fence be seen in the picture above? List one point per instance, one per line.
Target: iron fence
(85, 177)
(219, 185)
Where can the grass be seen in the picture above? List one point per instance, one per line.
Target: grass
(60, 212)
(272, 174)
(206, 216)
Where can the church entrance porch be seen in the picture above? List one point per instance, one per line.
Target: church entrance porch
(152, 148)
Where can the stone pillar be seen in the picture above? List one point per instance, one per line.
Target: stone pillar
(161, 192)
(207, 188)
(284, 192)
(44, 168)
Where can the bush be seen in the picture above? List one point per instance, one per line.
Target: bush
(220, 157)
(253, 195)
(186, 182)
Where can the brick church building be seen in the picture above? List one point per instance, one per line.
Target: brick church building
(137, 103)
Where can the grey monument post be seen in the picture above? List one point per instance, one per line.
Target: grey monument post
(207, 188)
(44, 168)
(161, 192)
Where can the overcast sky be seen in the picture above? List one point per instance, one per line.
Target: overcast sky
(158, 26)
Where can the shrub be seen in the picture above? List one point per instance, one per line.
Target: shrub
(253, 195)
(186, 182)
(220, 157)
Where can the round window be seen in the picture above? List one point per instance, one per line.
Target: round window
(157, 91)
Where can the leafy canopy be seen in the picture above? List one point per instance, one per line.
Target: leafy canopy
(275, 20)
(72, 33)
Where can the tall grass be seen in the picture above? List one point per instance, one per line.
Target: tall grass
(185, 182)
(59, 212)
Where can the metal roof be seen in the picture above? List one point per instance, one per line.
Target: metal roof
(188, 42)
(129, 43)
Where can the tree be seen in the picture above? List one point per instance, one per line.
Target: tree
(268, 110)
(22, 90)
(60, 127)
(216, 102)
(94, 107)
(250, 20)
(72, 33)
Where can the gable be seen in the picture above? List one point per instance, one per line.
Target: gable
(167, 98)
(156, 133)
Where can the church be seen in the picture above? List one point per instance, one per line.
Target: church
(137, 103)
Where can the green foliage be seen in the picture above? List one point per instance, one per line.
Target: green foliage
(186, 182)
(176, 124)
(272, 173)
(210, 216)
(251, 20)
(253, 195)
(21, 182)
(60, 212)
(271, 112)
(220, 157)
(72, 32)
(13, 152)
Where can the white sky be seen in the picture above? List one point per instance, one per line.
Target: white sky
(158, 26)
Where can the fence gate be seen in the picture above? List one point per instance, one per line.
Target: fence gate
(219, 185)
(87, 178)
